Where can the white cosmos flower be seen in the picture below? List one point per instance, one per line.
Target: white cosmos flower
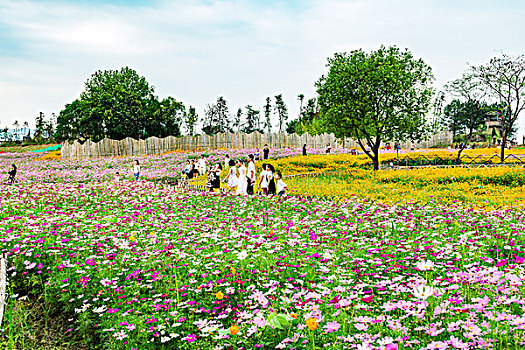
(425, 265)
(242, 255)
(423, 292)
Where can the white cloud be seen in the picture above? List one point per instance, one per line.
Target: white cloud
(243, 50)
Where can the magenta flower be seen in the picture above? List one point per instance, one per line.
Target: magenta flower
(191, 338)
(391, 346)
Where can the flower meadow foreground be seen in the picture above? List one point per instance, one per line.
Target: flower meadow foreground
(143, 266)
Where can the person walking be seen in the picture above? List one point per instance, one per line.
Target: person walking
(266, 152)
(12, 174)
(202, 165)
(304, 149)
(242, 181)
(231, 178)
(328, 148)
(271, 179)
(251, 174)
(136, 170)
(263, 179)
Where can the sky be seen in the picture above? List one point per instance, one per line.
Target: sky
(198, 50)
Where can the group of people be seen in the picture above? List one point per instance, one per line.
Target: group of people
(195, 167)
(136, 172)
(243, 179)
(242, 175)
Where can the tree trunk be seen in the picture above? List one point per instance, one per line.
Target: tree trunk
(375, 160)
(503, 143)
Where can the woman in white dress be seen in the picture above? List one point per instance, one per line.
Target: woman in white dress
(232, 175)
(242, 181)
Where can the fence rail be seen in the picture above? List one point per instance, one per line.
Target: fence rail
(155, 145)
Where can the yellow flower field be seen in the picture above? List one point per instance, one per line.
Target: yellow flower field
(488, 188)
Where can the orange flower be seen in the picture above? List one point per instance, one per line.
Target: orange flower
(311, 323)
(234, 329)
(293, 315)
(219, 295)
(233, 270)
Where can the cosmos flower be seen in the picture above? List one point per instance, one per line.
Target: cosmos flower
(423, 292)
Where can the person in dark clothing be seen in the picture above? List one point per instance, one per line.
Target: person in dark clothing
(214, 178)
(12, 174)
(304, 149)
(271, 185)
(266, 152)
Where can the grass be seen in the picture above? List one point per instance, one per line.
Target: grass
(31, 324)
(22, 149)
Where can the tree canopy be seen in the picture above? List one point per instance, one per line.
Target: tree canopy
(376, 96)
(503, 78)
(119, 104)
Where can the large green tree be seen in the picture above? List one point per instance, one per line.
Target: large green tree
(119, 104)
(375, 96)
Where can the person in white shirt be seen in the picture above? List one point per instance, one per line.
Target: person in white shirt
(264, 179)
(202, 165)
(281, 185)
(136, 170)
(117, 177)
(226, 162)
(251, 174)
(242, 182)
(231, 178)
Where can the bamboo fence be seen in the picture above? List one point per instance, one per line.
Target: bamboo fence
(155, 145)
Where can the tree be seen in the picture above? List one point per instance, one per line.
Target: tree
(69, 126)
(282, 111)
(190, 120)
(119, 104)
(267, 114)
(40, 125)
(381, 95)
(26, 127)
(167, 118)
(308, 119)
(503, 78)
(451, 118)
(217, 117)
(238, 120)
(16, 126)
(252, 120)
(465, 117)
(468, 116)
(300, 98)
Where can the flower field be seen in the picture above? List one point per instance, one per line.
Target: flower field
(143, 266)
(489, 188)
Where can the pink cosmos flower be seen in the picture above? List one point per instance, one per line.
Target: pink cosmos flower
(259, 321)
(331, 327)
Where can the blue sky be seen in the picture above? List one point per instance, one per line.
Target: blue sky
(198, 50)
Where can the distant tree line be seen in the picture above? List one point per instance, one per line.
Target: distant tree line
(373, 97)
